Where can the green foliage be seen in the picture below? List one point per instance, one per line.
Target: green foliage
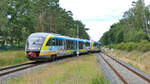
(126, 46)
(100, 80)
(120, 46)
(3, 17)
(20, 18)
(131, 46)
(12, 57)
(135, 36)
(143, 46)
(133, 27)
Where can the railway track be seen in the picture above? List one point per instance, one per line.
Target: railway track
(13, 69)
(20, 67)
(124, 73)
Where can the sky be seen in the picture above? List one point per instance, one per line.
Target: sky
(97, 15)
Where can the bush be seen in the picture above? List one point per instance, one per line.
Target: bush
(120, 46)
(126, 46)
(135, 36)
(130, 46)
(144, 46)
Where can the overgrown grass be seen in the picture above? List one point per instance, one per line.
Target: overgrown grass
(100, 80)
(12, 57)
(140, 60)
(79, 70)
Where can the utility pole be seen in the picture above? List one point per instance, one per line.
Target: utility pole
(77, 40)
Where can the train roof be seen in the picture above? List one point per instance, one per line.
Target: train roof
(43, 34)
(40, 34)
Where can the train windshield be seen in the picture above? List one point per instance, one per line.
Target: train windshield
(34, 43)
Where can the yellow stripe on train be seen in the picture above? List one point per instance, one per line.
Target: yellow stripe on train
(44, 47)
(48, 53)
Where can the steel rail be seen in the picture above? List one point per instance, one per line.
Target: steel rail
(31, 64)
(9, 67)
(20, 67)
(138, 74)
(115, 71)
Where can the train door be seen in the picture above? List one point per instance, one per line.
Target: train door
(60, 47)
(65, 47)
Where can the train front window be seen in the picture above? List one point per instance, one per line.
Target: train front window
(51, 42)
(34, 43)
(54, 42)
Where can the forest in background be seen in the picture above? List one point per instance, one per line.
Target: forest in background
(132, 31)
(20, 18)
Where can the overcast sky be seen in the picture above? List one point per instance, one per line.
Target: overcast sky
(97, 15)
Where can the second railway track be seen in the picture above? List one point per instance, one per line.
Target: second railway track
(12, 69)
(123, 72)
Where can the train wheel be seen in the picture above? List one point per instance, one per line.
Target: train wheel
(53, 58)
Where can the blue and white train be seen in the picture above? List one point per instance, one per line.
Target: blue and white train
(48, 46)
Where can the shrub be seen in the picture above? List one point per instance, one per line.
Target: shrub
(135, 36)
(130, 46)
(120, 46)
(126, 46)
(144, 46)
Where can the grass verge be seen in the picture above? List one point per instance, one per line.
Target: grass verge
(137, 59)
(12, 57)
(78, 70)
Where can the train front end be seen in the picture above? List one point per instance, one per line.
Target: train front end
(34, 44)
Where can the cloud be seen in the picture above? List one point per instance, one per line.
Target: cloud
(98, 15)
(96, 28)
(87, 8)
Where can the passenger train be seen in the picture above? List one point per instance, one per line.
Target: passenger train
(47, 46)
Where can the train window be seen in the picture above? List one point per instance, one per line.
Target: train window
(95, 45)
(59, 42)
(54, 42)
(34, 42)
(51, 42)
(99, 46)
(87, 44)
(80, 45)
(70, 44)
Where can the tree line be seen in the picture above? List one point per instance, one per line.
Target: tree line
(20, 18)
(133, 27)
